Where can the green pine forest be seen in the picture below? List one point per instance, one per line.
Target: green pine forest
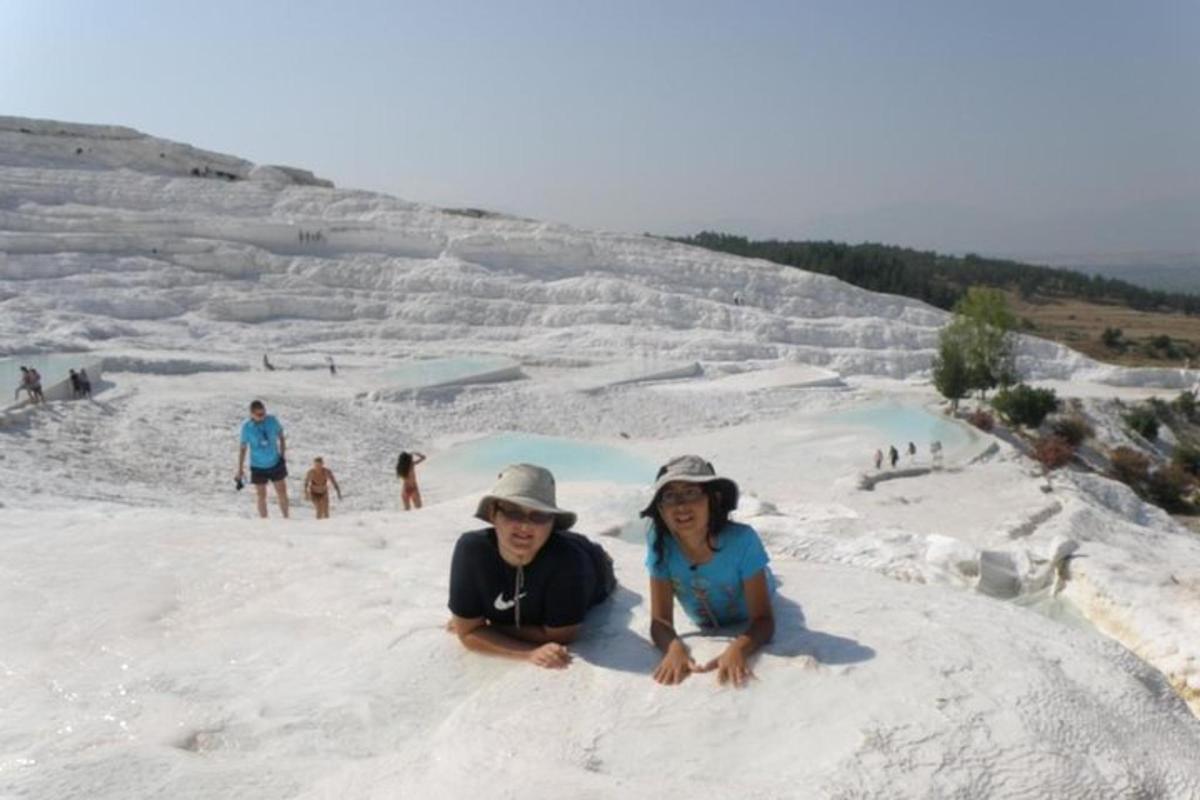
(942, 280)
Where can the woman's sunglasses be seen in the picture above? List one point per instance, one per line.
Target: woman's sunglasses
(681, 497)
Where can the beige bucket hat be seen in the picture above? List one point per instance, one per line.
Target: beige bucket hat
(526, 485)
(693, 469)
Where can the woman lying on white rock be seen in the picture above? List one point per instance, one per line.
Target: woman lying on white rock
(717, 569)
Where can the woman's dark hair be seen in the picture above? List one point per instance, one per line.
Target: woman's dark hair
(404, 464)
(718, 517)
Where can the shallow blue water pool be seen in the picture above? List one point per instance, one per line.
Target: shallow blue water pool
(898, 424)
(568, 459)
(441, 371)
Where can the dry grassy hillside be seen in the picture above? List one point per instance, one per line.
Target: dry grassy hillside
(1080, 326)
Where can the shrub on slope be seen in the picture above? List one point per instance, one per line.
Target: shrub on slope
(1025, 405)
(1143, 421)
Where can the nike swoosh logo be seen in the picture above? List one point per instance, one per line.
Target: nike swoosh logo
(504, 605)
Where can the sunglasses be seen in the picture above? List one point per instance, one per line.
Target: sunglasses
(681, 497)
(519, 515)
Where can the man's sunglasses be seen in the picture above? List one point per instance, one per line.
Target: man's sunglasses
(518, 514)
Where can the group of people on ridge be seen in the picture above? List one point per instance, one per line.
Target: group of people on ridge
(893, 455)
(522, 586)
(81, 384)
(31, 384)
(263, 440)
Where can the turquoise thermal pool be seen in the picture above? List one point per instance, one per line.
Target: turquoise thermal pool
(568, 459)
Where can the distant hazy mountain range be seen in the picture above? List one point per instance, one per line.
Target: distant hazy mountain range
(1165, 270)
(1177, 277)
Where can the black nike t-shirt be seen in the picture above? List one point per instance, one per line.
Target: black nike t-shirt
(569, 575)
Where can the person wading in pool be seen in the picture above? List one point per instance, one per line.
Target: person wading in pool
(522, 587)
(263, 436)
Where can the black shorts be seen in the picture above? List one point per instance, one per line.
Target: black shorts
(607, 583)
(269, 474)
(606, 578)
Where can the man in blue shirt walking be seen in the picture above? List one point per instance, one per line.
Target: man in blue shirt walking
(263, 436)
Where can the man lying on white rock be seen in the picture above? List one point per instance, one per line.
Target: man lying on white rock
(522, 587)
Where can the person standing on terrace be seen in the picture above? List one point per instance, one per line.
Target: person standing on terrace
(316, 487)
(406, 471)
(263, 436)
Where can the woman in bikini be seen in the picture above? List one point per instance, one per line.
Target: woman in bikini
(316, 487)
(406, 471)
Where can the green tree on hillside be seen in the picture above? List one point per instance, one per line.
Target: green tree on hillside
(976, 349)
(987, 333)
(951, 375)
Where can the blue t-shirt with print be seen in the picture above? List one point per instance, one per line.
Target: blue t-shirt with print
(713, 594)
(263, 440)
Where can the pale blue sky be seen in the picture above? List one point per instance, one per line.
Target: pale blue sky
(1005, 127)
